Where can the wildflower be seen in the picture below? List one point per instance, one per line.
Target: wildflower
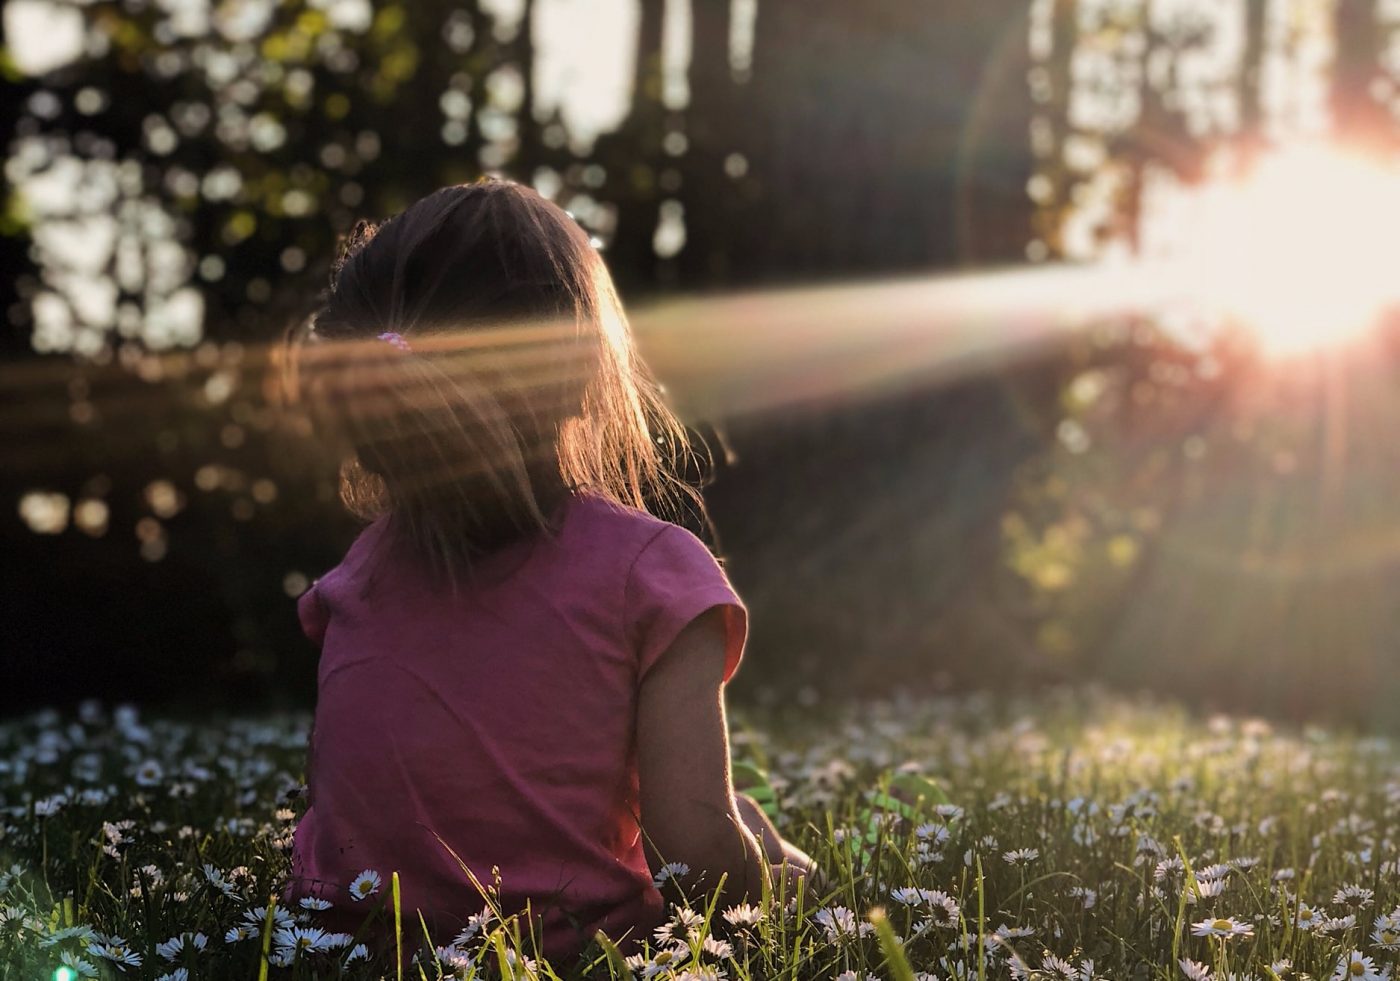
(1205, 889)
(1011, 932)
(1356, 966)
(744, 914)
(455, 960)
(1353, 896)
(1308, 918)
(476, 923)
(662, 962)
(303, 939)
(242, 931)
(642, 965)
(1088, 896)
(172, 948)
(1337, 924)
(683, 923)
(1386, 932)
(1196, 971)
(359, 952)
(216, 879)
(365, 885)
(943, 909)
(715, 947)
(314, 903)
(179, 974)
(84, 934)
(1169, 867)
(1021, 856)
(932, 834)
(148, 773)
(115, 949)
(80, 966)
(840, 923)
(1226, 926)
(255, 916)
(49, 806)
(671, 870)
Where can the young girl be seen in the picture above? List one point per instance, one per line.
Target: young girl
(521, 668)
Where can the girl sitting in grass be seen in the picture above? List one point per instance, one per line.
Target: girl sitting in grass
(522, 669)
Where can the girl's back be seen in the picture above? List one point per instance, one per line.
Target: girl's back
(496, 725)
(515, 669)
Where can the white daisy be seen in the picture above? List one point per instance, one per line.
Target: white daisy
(1353, 896)
(744, 914)
(115, 949)
(1225, 926)
(303, 939)
(669, 871)
(1356, 966)
(1196, 971)
(365, 885)
(80, 966)
(84, 934)
(715, 947)
(172, 948)
(840, 923)
(148, 773)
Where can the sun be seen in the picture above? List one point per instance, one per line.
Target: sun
(1301, 252)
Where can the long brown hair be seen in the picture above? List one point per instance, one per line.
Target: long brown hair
(472, 364)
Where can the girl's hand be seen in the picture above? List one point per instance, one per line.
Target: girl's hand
(793, 878)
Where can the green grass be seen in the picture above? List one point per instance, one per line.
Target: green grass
(1085, 828)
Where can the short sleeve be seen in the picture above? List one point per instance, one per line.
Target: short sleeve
(311, 611)
(673, 580)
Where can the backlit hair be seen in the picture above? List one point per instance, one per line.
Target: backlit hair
(514, 379)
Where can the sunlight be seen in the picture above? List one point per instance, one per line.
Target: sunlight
(1299, 252)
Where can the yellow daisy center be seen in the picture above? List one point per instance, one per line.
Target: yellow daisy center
(1223, 925)
(1357, 968)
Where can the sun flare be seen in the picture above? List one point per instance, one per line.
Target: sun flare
(1300, 252)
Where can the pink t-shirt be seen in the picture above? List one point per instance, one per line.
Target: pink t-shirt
(499, 724)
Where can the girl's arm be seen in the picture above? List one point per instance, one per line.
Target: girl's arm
(688, 809)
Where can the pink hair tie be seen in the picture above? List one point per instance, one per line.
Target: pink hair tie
(396, 339)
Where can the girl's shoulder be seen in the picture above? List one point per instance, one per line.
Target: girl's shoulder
(601, 522)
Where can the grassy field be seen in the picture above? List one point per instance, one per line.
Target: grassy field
(1090, 837)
